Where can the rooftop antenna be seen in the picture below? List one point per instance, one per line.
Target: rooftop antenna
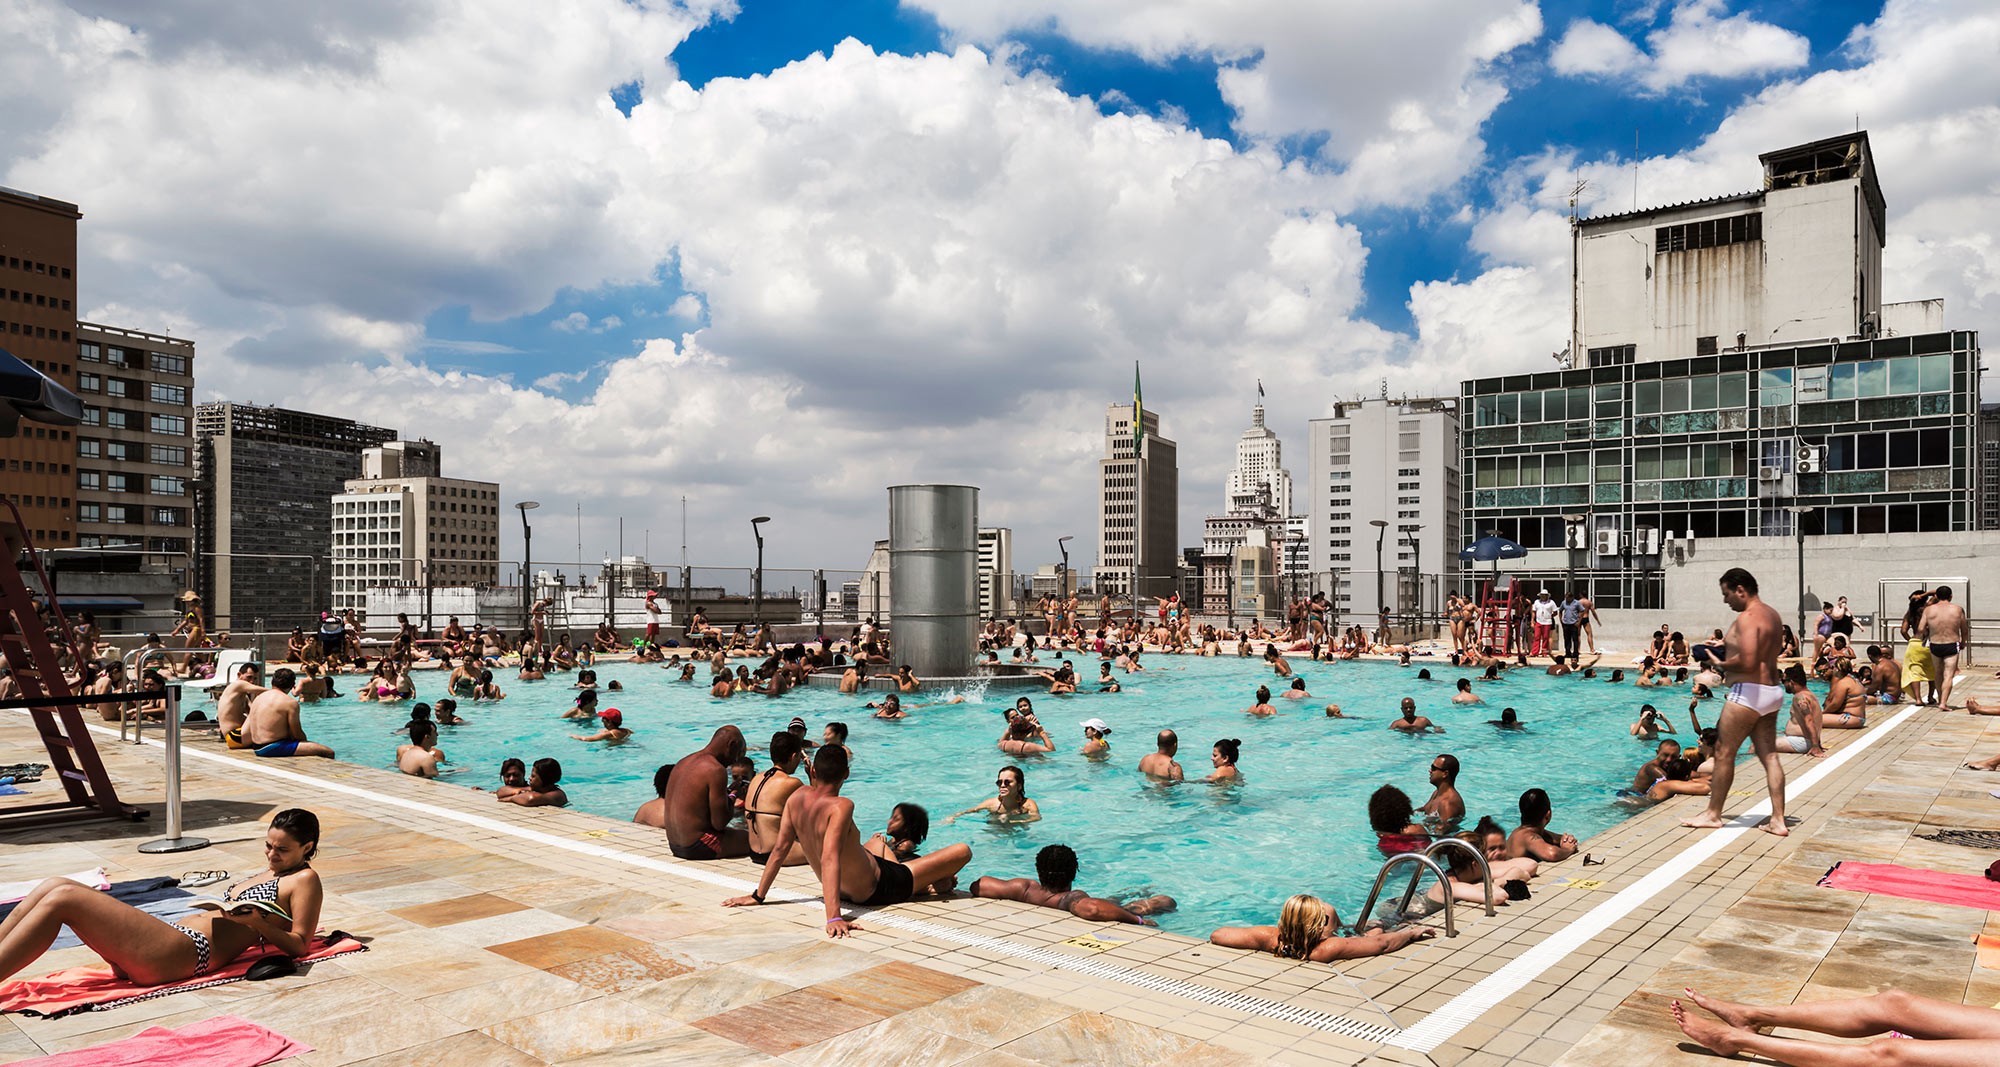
(684, 531)
(1635, 168)
(579, 535)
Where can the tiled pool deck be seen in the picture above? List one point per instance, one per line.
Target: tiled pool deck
(502, 935)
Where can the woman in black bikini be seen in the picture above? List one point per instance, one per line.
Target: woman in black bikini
(766, 800)
(151, 952)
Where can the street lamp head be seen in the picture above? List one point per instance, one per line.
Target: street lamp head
(1573, 517)
(760, 518)
(1801, 509)
(529, 505)
(1065, 537)
(1378, 522)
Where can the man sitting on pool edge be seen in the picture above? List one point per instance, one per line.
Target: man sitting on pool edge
(699, 808)
(1055, 867)
(821, 821)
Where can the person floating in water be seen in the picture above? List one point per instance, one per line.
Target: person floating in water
(1055, 869)
(1308, 930)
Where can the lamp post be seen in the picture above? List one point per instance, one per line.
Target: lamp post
(1569, 522)
(757, 586)
(527, 555)
(1381, 606)
(1799, 513)
(1062, 545)
(1409, 533)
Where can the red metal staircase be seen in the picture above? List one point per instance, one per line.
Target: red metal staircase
(31, 657)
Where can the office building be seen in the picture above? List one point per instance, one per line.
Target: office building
(402, 523)
(996, 572)
(1394, 462)
(38, 326)
(134, 451)
(1259, 483)
(1138, 508)
(1739, 371)
(264, 532)
(1989, 466)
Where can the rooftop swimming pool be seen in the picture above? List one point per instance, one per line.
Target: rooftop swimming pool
(1229, 854)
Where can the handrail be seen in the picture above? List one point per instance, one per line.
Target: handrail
(1424, 862)
(135, 668)
(1485, 871)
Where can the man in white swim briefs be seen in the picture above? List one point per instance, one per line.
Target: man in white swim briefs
(1750, 667)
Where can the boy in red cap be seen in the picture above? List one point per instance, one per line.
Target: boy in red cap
(614, 729)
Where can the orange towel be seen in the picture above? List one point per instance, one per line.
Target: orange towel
(80, 989)
(1989, 951)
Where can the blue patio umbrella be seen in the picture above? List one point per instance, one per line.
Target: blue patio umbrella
(26, 393)
(1492, 547)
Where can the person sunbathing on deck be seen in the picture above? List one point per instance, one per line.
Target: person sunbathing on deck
(279, 907)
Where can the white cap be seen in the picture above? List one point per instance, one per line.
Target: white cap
(1096, 724)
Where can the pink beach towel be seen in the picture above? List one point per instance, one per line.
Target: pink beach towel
(224, 1041)
(1938, 887)
(79, 989)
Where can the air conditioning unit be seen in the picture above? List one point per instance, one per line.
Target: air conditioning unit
(1607, 542)
(1576, 536)
(1646, 541)
(1770, 474)
(1811, 459)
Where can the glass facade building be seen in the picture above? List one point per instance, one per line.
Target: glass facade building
(1605, 468)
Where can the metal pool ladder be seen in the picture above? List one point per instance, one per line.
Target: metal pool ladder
(1427, 861)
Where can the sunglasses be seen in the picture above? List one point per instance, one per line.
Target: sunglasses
(1001, 782)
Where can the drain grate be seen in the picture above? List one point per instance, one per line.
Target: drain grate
(1966, 838)
(1201, 994)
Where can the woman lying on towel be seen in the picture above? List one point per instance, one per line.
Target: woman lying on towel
(279, 907)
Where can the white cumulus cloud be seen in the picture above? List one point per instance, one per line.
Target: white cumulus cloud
(1700, 41)
(1398, 92)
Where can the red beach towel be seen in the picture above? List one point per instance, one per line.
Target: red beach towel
(79, 989)
(224, 1041)
(1938, 887)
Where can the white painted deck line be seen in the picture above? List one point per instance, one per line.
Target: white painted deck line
(1460, 1011)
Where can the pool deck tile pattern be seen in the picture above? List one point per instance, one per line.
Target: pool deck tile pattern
(492, 948)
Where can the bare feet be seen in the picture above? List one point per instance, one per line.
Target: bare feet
(1704, 821)
(1710, 1035)
(1737, 1015)
(1775, 827)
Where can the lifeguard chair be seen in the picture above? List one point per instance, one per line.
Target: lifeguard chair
(1496, 614)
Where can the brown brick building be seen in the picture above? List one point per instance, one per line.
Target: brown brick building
(38, 325)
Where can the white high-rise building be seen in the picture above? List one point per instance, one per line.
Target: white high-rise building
(996, 572)
(1260, 481)
(402, 524)
(1390, 461)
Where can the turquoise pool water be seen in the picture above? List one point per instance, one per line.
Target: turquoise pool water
(1298, 823)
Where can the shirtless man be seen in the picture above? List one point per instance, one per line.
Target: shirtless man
(1846, 704)
(1410, 722)
(1802, 733)
(1885, 676)
(1160, 765)
(821, 821)
(1944, 630)
(232, 706)
(421, 756)
(1750, 666)
(1445, 808)
(1277, 661)
(1263, 705)
(852, 679)
(1653, 771)
(272, 726)
(1297, 691)
(698, 804)
(1055, 870)
(111, 683)
(654, 812)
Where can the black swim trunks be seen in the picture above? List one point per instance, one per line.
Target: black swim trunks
(1943, 650)
(759, 858)
(703, 849)
(893, 883)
